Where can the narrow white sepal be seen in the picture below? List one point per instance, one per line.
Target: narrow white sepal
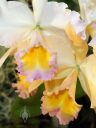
(38, 6)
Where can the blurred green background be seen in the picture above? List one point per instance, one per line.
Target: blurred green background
(18, 113)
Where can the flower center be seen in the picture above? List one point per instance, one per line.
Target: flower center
(38, 27)
(37, 57)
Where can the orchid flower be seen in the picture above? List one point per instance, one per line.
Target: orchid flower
(88, 67)
(49, 46)
(59, 94)
(23, 30)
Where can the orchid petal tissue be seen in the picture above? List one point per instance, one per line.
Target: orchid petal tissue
(50, 46)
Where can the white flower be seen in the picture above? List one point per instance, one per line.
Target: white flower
(18, 22)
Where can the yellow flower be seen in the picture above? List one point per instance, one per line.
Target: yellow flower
(61, 103)
(60, 91)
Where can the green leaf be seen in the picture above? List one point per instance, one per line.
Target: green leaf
(79, 90)
(32, 105)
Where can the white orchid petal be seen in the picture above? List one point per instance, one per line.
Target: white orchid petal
(17, 12)
(79, 25)
(55, 14)
(38, 6)
(88, 10)
(59, 44)
(15, 19)
(2, 3)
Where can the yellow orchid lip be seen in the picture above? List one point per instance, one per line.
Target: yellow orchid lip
(37, 63)
(61, 105)
(24, 88)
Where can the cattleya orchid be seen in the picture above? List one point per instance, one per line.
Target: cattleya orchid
(49, 46)
(88, 78)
